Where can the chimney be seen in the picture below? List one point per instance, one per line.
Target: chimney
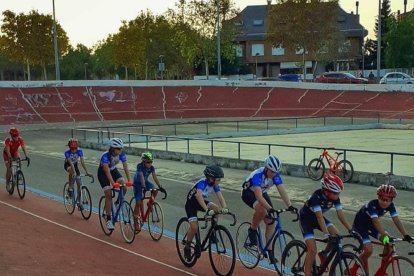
(405, 6)
(357, 6)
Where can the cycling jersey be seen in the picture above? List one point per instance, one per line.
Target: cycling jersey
(192, 205)
(112, 161)
(73, 156)
(137, 180)
(13, 145)
(258, 179)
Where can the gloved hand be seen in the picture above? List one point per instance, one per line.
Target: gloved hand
(408, 238)
(271, 212)
(162, 190)
(224, 210)
(356, 235)
(292, 209)
(210, 212)
(386, 240)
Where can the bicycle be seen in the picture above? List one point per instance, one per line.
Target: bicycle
(80, 198)
(17, 177)
(156, 221)
(121, 212)
(342, 168)
(250, 255)
(342, 262)
(217, 241)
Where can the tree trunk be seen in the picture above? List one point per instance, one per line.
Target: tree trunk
(206, 65)
(126, 73)
(28, 71)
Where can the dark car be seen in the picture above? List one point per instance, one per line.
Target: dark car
(336, 77)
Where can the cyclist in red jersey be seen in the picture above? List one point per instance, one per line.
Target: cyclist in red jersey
(11, 150)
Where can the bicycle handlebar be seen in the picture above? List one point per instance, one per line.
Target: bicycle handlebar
(117, 185)
(338, 238)
(88, 175)
(280, 211)
(207, 218)
(162, 190)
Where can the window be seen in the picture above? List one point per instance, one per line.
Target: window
(278, 51)
(299, 51)
(257, 50)
(239, 50)
(258, 22)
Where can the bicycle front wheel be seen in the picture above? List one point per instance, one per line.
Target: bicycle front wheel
(181, 240)
(279, 243)
(126, 222)
(221, 251)
(21, 184)
(293, 258)
(248, 254)
(10, 186)
(102, 217)
(316, 169)
(344, 170)
(68, 199)
(85, 203)
(348, 264)
(156, 221)
(399, 266)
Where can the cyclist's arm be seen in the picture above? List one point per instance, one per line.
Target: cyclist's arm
(107, 172)
(284, 195)
(321, 222)
(24, 150)
(7, 150)
(221, 200)
(399, 225)
(142, 179)
(156, 180)
(378, 226)
(71, 164)
(259, 197)
(84, 165)
(128, 175)
(342, 219)
(200, 199)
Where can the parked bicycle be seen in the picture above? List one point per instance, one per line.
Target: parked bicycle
(17, 177)
(121, 212)
(338, 261)
(342, 168)
(153, 215)
(78, 197)
(217, 241)
(250, 254)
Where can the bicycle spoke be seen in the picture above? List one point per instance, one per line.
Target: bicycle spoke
(156, 222)
(222, 251)
(248, 255)
(126, 220)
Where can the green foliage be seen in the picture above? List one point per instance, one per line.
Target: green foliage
(400, 43)
(74, 63)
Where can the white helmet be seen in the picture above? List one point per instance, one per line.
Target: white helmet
(273, 163)
(116, 143)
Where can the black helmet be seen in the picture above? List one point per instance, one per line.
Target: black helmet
(213, 171)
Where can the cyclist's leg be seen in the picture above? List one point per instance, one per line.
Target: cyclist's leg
(191, 208)
(138, 201)
(7, 164)
(117, 177)
(270, 229)
(106, 187)
(333, 232)
(249, 199)
(71, 174)
(307, 225)
(310, 255)
(365, 229)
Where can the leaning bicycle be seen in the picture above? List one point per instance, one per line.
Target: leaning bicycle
(217, 241)
(81, 197)
(17, 177)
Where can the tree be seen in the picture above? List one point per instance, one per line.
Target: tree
(74, 62)
(385, 15)
(305, 25)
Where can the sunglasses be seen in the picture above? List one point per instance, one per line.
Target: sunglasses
(148, 162)
(385, 199)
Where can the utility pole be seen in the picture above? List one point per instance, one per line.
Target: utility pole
(57, 68)
(218, 42)
(379, 41)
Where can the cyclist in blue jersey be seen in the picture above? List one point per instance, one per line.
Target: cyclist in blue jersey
(141, 182)
(367, 221)
(311, 217)
(197, 200)
(108, 174)
(72, 157)
(254, 194)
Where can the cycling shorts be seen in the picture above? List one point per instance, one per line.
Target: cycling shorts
(308, 224)
(249, 198)
(192, 207)
(104, 181)
(365, 229)
(6, 158)
(138, 189)
(67, 165)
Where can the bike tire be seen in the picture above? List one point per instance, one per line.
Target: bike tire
(293, 258)
(156, 221)
(10, 187)
(343, 266)
(222, 254)
(180, 241)
(316, 169)
(85, 203)
(68, 201)
(345, 170)
(279, 243)
(248, 255)
(102, 217)
(126, 222)
(399, 266)
(21, 184)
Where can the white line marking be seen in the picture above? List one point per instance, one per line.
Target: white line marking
(96, 239)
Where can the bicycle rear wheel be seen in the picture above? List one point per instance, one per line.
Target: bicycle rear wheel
(249, 255)
(85, 203)
(102, 217)
(68, 199)
(279, 243)
(293, 258)
(10, 187)
(222, 252)
(344, 170)
(126, 222)
(180, 241)
(21, 184)
(316, 169)
(400, 266)
(348, 264)
(156, 221)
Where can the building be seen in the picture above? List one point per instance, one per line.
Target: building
(268, 61)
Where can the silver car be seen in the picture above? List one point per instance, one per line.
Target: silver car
(397, 78)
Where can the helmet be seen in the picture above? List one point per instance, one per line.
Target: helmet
(14, 132)
(73, 143)
(116, 143)
(387, 191)
(332, 183)
(146, 156)
(214, 171)
(273, 163)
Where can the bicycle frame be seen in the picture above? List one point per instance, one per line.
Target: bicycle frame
(150, 201)
(120, 200)
(332, 161)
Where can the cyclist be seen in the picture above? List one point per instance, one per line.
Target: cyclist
(141, 182)
(72, 156)
(254, 194)
(367, 221)
(197, 200)
(108, 174)
(11, 150)
(311, 217)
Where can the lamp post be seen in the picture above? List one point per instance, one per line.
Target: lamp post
(218, 42)
(85, 66)
(257, 54)
(55, 42)
(379, 41)
(363, 53)
(161, 67)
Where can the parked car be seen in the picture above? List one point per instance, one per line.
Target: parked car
(339, 77)
(397, 78)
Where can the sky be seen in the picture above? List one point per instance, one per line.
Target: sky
(89, 21)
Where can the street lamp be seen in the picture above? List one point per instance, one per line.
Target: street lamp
(363, 53)
(85, 66)
(161, 67)
(218, 42)
(379, 40)
(55, 42)
(257, 54)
